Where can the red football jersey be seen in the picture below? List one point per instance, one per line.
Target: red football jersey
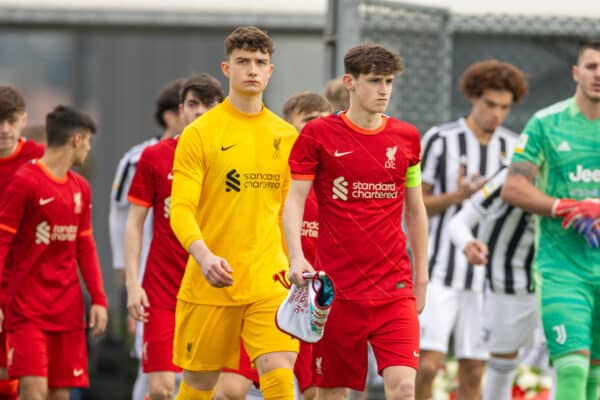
(359, 181)
(46, 222)
(26, 150)
(310, 227)
(151, 187)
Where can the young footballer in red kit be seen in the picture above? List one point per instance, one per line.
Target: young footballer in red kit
(153, 302)
(45, 214)
(14, 152)
(365, 170)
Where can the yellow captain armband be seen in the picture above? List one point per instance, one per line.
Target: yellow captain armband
(413, 176)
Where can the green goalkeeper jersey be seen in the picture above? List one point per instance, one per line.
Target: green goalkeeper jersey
(565, 146)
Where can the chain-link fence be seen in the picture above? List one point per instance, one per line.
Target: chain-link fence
(437, 46)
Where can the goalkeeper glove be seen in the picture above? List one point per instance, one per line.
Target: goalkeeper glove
(585, 209)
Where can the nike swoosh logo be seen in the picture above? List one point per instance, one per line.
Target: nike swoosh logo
(416, 354)
(77, 372)
(225, 148)
(170, 176)
(43, 202)
(338, 154)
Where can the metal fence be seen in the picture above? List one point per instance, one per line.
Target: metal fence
(437, 46)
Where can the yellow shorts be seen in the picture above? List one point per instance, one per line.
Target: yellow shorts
(207, 337)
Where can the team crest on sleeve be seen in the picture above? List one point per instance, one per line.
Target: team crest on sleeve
(390, 153)
(276, 145)
(78, 203)
(522, 143)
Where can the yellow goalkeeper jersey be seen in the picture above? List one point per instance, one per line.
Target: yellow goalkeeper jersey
(230, 180)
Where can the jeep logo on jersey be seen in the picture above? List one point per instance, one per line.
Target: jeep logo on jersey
(232, 181)
(340, 188)
(391, 157)
(585, 175)
(236, 181)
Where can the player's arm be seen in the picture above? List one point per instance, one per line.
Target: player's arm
(7, 236)
(89, 267)
(117, 216)
(293, 212)
(520, 191)
(459, 229)
(415, 216)
(188, 179)
(134, 232)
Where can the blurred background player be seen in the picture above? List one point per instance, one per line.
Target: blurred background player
(337, 95)
(15, 151)
(555, 173)
(230, 179)
(153, 302)
(45, 213)
(505, 247)
(168, 116)
(370, 162)
(458, 157)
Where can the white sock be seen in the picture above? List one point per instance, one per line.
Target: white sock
(499, 379)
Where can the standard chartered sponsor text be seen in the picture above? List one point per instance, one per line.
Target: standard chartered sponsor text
(64, 233)
(369, 190)
(258, 180)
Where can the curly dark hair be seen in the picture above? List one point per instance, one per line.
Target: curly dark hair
(493, 75)
(249, 38)
(371, 57)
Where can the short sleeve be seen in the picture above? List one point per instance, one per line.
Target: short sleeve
(142, 187)
(433, 147)
(304, 157)
(529, 147)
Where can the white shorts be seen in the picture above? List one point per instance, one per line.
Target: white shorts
(457, 312)
(509, 322)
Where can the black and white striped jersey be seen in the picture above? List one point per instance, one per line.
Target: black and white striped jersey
(508, 231)
(119, 206)
(446, 149)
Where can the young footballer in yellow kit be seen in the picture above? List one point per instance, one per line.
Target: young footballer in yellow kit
(230, 178)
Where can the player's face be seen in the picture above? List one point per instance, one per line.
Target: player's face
(10, 131)
(248, 71)
(83, 143)
(371, 92)
(491, 109)
(587, 75)
(299, 119)
(192, 107)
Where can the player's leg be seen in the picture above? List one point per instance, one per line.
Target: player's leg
(340, 357)
(471, 351)
(67, 363)
(273, 351)
(594, 374)
(394, 337)
(29, 361)
(566, 310)
(33, 388)
(234, 384)
(157, 354)
(509, 324)
(58, 393)
(9, 388)
(437, 322)
(303, 369)
(197, 328)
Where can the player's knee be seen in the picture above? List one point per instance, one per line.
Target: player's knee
(27, 392)
(161, 391)
(571, 372)
(427, 371)
(333, 394)
(403, 389)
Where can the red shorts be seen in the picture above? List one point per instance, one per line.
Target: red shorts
(245, 368)
(59, 356)
(392, 328)
(3, 349)
(157, 347)
(303, 369)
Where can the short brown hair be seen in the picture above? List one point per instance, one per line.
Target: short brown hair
(370, 57)
(493, 75)
(205, 87)
(11, 102)
(588, 44)
(305, 102)
(167, 100)
(337, 94)
(64, 122)
(248, 38)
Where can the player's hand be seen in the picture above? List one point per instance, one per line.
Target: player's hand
(466, 186)
(98, 320)
(131, 325)
(562, 207)
(589, 229)
(298, 266)
(137, 303)
(476, 252)
(420, 291)
(585, 209)
(216, 270)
